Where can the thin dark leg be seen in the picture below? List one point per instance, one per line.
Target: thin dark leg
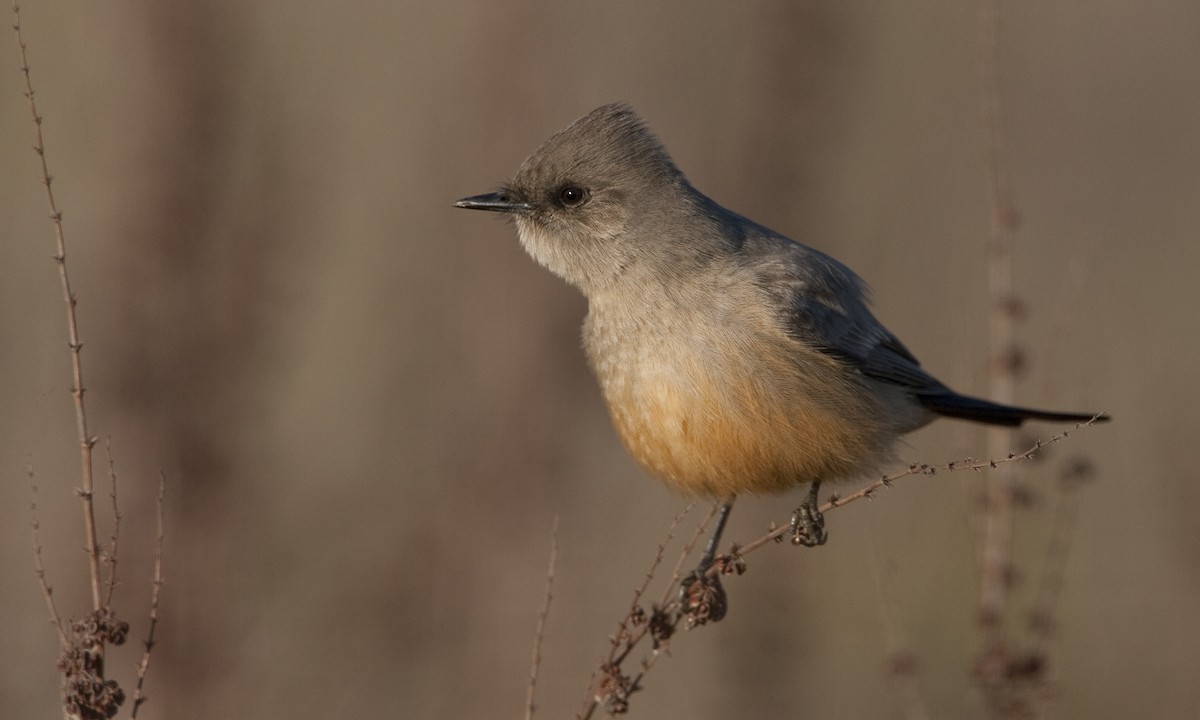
(710, 550)
(701, 598)
(808, 524)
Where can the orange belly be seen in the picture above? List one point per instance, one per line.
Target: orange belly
(720, 432)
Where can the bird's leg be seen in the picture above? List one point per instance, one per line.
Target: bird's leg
(710, 550)
(808, 524)
(701, 598)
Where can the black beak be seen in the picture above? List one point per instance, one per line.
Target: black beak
(496, 202)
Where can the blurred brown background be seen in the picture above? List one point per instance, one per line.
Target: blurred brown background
(370, 405)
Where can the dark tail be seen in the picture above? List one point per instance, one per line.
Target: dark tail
(968, 408)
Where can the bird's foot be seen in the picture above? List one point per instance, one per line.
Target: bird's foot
(808, 524)
(702, 599)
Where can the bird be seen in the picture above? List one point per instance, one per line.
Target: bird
(733, 360)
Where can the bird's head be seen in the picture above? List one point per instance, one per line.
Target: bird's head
(577, 198)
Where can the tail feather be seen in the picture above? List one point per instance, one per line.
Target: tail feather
(964, 407)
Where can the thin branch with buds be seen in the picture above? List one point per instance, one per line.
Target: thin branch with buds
(156, 589)
(1006, 361)
(86, 441)
(110, 556)
(39, 568)
(614, 687)
(634, 626)
(86, 690)
(536, 661)
(870, 490)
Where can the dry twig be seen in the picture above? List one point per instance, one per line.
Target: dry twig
(635, 625)
(86, 691)
(536, 661)
(39, 568)
(871, 489)
(156, 588)
(614, 687)
(86, 441)
(110, 556)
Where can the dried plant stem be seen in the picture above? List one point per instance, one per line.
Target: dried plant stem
(155, 590)
(39, 568)
(624, 641)
(536, 660)
(613, 684)
(110, 557)
(627, 637)
(677, 573)
(86, 691)
(672, 586)
(86, 442)
(999, 510)
(868, 491)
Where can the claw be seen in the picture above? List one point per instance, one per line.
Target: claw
(808, 524)
(702, 599)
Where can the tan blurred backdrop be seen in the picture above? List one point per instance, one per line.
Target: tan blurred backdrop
(370, 406)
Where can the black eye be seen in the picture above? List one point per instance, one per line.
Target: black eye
(572, 196)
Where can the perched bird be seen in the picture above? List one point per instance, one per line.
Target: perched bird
(732, 359)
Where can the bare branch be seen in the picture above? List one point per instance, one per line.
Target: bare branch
(39, 568)
(540, 632)
(110, 556)
(1006, 361)
(677, 573)
(156, 590)
(635, 625)
(868, 491)
(86, 442)
(613, 686)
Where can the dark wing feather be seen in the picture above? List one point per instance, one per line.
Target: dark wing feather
(824, 305)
